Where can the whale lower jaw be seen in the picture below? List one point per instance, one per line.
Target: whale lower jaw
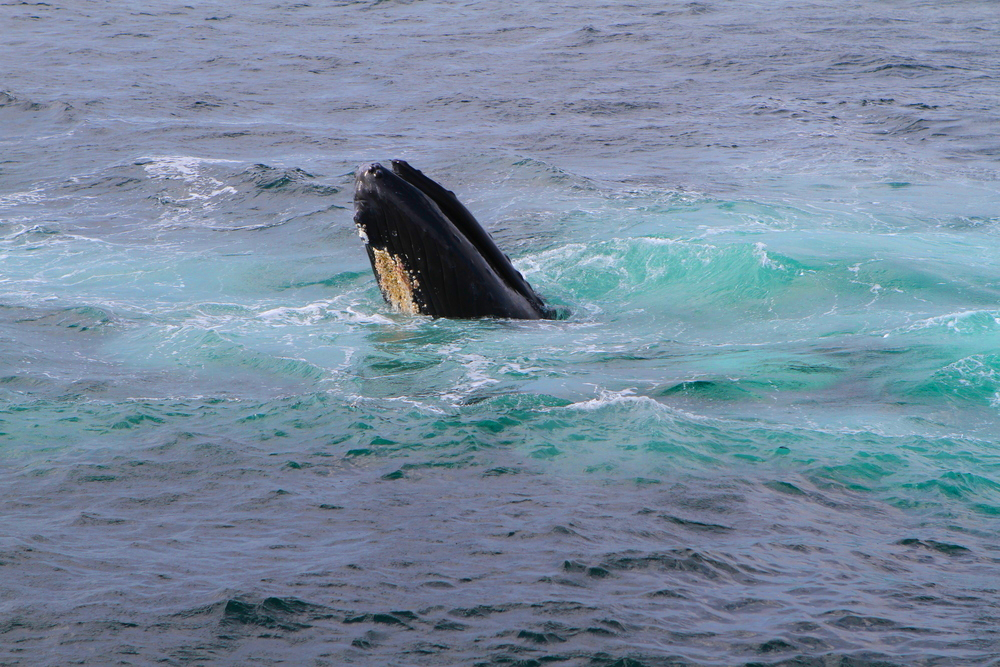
(429, 254)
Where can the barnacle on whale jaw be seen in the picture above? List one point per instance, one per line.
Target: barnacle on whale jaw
(395, 282)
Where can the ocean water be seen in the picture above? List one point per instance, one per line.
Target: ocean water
(766, 433)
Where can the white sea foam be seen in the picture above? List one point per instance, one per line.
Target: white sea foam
(960, 322)
(318, 311)
(607, 398)
(185, 167)
(17, 198)
(760, 252)
(199, 189)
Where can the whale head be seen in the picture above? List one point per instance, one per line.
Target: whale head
(429, 254)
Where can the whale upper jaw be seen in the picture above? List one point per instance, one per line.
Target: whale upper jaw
(429, 254)
(367, 176)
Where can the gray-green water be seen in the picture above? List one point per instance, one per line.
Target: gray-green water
(765, 434)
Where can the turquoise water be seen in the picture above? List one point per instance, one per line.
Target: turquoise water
(765, 431)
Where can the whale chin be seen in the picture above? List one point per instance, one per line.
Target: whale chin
(430, 255)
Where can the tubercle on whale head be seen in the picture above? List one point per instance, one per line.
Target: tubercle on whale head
(369, 170)
(367, 176)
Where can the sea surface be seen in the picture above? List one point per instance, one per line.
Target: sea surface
(767, 431)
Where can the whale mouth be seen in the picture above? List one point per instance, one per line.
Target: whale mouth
(429, 254)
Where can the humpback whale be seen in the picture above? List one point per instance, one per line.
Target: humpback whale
(430, 255)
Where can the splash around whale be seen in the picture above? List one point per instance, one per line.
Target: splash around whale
(430, 255)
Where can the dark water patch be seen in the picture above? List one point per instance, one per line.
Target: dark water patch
(496, 472)
(902, 68)
(93, 473)
(599, 108)
(483, 610)
(859, 659)
(713, 502)
(774, 646)
(677, 560)
(27, 118)
(293, 180)
(934, 545)
(718, 390)
(865, 64)
(667, 593)
(86, 519)
(450, 626)
(695, 525)
(400, 618)
(854, 622)
(201, 104)
(287, 614)
(750, 605)
(390, 365)
(606, 660)
(131, 421)
(540, 637)
(22, 383)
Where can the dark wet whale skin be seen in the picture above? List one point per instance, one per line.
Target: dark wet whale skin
(451, 265)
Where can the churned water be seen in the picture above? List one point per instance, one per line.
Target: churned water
(766, 432)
